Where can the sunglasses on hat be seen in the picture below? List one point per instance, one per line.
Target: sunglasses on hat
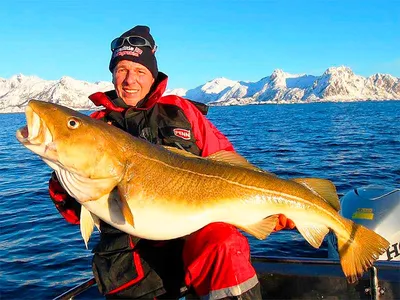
(132, 40)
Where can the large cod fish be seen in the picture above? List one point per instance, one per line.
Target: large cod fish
(156, 193)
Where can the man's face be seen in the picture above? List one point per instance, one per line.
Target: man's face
(132, 81)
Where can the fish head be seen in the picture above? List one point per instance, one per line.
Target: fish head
(83, 151)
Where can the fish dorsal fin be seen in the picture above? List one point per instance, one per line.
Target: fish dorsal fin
(181, 152)
(313, 233)
(229, 157)
(86, 224)
(323, 188)
(261, 229)
(234, 158)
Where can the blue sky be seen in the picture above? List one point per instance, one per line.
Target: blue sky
(202, 40)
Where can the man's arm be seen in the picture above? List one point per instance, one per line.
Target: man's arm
(68, 207)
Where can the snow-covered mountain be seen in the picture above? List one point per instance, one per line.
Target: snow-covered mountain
(19, 89)
(337, 84)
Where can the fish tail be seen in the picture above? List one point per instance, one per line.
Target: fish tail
(359, 249)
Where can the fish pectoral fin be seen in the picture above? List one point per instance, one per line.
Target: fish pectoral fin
(125, 209)
(261, 229)
(323, 188)
(313, 233)
(127, 213)
(86, 224)
(96, 221)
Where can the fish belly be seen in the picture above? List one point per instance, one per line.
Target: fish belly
(154, 223)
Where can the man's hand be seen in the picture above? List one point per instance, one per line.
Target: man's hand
(284, 223)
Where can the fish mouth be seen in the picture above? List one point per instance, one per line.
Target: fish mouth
(35, 135)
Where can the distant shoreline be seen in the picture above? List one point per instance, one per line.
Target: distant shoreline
(21, 110)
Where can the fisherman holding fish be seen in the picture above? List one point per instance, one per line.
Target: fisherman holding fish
(214, 261)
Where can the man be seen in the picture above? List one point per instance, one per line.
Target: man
(214, 261)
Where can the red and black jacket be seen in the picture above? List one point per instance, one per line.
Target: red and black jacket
(166, 120)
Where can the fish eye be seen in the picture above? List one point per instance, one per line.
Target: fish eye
(73, 123)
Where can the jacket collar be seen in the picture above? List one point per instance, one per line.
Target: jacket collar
(112, 102)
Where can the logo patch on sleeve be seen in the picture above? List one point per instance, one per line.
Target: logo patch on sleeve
(182, 133)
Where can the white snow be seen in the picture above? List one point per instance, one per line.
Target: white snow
(19, 89)
(336, 84)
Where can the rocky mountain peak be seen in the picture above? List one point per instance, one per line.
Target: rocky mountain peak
(342, 70)
(335, 84)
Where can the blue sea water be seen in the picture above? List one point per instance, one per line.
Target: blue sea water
(352, 144)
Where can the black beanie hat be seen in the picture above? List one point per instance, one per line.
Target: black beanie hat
(143, 55)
